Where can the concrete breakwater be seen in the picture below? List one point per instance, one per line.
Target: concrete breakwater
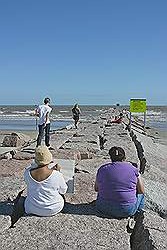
(80, 226)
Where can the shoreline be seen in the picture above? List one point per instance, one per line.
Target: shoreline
(157, 135)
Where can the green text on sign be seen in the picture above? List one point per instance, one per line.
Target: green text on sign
(138, 105)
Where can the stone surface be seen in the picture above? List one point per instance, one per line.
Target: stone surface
(15, 140)
(80, 226)
(4, 223)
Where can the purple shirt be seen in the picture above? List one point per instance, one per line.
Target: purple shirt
(117, 182)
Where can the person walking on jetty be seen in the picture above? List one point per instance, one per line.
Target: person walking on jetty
(76, 113)
(119, 187)
(43, 112)
(45, 186)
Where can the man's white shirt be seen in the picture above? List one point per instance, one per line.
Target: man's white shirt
(42, 110)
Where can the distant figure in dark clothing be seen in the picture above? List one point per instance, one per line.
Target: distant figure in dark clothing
(76, 113)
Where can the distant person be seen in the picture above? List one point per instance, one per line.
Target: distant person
(43, 112)
(76, 113)
(125, 113)
(118, 119)
(45, 187)
(119, 187)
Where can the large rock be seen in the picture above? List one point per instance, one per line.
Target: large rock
(69, 154)
(24, 156)
(15, 140)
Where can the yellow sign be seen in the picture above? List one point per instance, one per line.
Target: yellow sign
(138, 105)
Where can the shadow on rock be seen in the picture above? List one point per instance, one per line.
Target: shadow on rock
(6, 207)
(140, 238)
(15, 208)
(84, 209)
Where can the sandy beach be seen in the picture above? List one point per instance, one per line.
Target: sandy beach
(80, 226)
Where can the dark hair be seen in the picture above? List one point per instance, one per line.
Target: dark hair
(75, 105)
(47, 100)
(117, 154)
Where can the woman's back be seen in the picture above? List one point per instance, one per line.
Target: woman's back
(40, 174)
(43, 196)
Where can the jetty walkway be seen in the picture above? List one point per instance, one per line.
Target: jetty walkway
(79, 226)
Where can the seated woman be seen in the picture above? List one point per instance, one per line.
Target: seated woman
(45, 186)
(119, 186)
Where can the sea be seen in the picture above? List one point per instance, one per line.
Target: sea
(21, 118)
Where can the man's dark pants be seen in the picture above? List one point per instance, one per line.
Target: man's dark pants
(43, 128)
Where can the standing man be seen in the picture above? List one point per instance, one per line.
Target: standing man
(43, 112)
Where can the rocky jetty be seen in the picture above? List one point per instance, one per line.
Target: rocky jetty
(80, 226)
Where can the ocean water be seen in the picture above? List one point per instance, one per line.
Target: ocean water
(156, 117)
(22, 117)
(28, 124)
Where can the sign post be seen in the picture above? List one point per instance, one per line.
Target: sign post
(138, 106)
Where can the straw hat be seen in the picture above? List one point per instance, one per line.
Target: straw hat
(42, 156)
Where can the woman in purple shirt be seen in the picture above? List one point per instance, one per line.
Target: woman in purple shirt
(119, 186)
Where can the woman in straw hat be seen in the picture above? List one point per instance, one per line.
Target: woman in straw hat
(45, 186)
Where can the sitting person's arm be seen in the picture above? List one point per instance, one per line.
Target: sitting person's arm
(63, 186)
(57, 167)
(140, 185)
(96, 186)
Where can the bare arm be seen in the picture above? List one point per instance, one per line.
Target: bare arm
(140, 186)
(57, 167)
(47, 117)
(63, 186)
(36, 112)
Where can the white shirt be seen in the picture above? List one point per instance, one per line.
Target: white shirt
(42, 110)
(43, 198)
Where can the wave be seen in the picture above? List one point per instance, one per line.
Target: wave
(64, 111)
(154, 113)
(15, 116)
(23, 112)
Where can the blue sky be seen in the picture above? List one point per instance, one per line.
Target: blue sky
(85, 51)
